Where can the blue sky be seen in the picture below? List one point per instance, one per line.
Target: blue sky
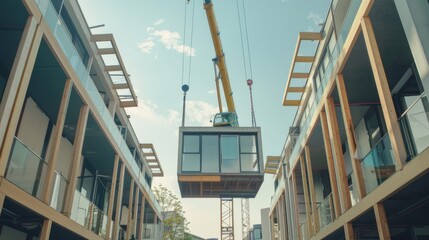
(150, 37)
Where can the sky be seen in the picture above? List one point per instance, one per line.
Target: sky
(160, 56)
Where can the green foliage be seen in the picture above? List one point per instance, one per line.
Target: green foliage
(175, 223)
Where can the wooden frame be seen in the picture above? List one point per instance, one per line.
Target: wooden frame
(331, 165)
(382, 225)
(130, 209)
(112, 196)
(349, 231)
(313, 198)
(338, 154)
(383, 89)
(306, 195)
(119, 202)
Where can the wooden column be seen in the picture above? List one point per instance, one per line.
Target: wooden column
(46, 229)
(16, 88)
(2, 198)
(295, 199)
(119, 202)
(136, 208)
(351, 140)
(383, 89)
(382, 225)
(334, 134)
(348, 231)
(130, 209)
(56, 142)
(313, 197)
(112, 196)
(77, 158)
(306, 195)
(141, 227)
(331, 165)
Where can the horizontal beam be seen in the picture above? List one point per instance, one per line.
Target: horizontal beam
(102, 37)
(113, 68)
(299, 75)
(199, 178)
(120, 86)
(310, 36)
(106, 51)
(128, 104)
(292, 103)
(304, 59)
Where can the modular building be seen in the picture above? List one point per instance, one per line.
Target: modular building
(71, 166)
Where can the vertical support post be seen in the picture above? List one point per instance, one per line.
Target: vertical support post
(382, 225)
(383, 89)
(351, 140)
(56, 142)
(338, 154)
(16, 88)
(306, 195)
(136, 208)
(331, 165)
(112, 107)
(112, 196)
(313, 197)
(141, 227)
(46, 229)
(348, 231)
(119, 202)
(130, 209)
(77, 158)
(2, 198)
(295, 199)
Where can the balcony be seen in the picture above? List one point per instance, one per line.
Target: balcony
(326, 211)
(26, 169)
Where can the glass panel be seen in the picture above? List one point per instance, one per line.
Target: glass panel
(26, 169)
(229, 148)
(326, 211)
(249, 162)
(378, 165)
(247, 144)
(191, 143)
(210, 154)
(59, 192)
(191, 162)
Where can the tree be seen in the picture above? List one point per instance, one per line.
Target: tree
(175, 223)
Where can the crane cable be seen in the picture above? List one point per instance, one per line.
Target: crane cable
(249, 80)
(185, 87)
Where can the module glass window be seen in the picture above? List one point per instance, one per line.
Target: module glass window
(248, 154)
(210, 154)
(191, 153)
(230, 154)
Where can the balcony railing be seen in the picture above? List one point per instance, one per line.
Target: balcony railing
(61, 34)
(59, 191)
(415, 126)
(326, 211)
(88, 214)
(304, 230)
(26, 169)
(353, 196)
(378, 164)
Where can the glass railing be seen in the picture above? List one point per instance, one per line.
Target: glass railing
(348, 21)
(415, 126)
(59, 191)
(326, 211)
(353, 195)
(61, 34)
(378, 164)
(26, 169)
(88, 214)
(304, 230)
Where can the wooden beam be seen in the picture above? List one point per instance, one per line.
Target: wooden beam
(120, 86)
(295, 199)
(313, 197)
(306, 195)
(337, 151)
(106, 51)
(300, 75)
(331, 165)
(46, 229)
(351, 140)
(130, 209)
(141, 227)
(292, 103)
(382, 225)
(296, 89)
(385, 96)
(310, 36)
(2, 198)
(126, 104)
(119, 202)
(112, 196)
(102, 37)
(77, 158)
(199, 178)
(113, 68)
(349, 231)
(56, 142)
(19, 81)
(308, 59)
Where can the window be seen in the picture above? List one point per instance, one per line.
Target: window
(248, 154)
(210, 154)
(191, 153)
(229, 150)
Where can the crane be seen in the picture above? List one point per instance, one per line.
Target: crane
(228, 118)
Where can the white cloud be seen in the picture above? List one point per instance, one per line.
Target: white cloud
(200, 112)
(146, 46)
(316, 18)
(149, 112)
(212, 91)
(159, 21)
(171, 41)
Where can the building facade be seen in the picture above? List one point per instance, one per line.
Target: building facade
(355, 164)
(71, 166)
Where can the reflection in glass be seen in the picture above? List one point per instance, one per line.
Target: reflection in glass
(191, 162)
(210, 151)
(229, 149)
(249, 162)
(191, 143)
(248, 144)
